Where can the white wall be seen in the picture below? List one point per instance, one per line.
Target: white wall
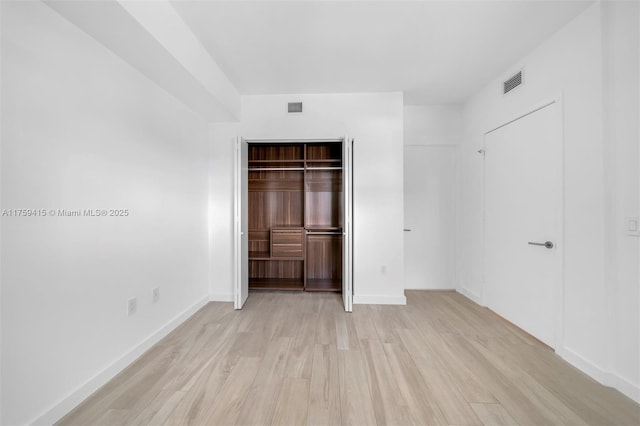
(432, 133)
(84, 130)
(621, 51)
(570, 64)
(433, 125)
(375, 122)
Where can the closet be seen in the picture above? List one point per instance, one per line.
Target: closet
(295, 219)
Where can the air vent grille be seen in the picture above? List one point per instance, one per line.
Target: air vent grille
(294, 107)
(512, 83)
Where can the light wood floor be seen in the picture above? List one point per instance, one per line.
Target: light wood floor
(297, 358)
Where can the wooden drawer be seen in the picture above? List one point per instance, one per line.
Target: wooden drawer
(287, 243)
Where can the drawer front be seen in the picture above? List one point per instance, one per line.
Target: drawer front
(287, 238)
(287, 242)
(286, 250)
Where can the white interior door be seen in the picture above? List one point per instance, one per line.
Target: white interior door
(430, 216)
(523, 205)
(241, 219)
(347, 237)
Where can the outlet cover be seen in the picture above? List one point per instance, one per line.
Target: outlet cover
(156, 294)
(132, 306)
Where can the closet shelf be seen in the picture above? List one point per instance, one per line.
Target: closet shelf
(259, 255)
(276, 284)
(323, 285)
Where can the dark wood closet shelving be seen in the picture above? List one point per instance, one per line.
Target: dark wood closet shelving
(295, 216)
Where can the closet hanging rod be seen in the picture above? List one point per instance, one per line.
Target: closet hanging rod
(324, 168)
(324, 233)
(276, 169)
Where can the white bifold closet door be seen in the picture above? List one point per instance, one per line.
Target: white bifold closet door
(347, 215)
(241, 224)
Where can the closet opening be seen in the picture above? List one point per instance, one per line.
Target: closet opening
(295, 216)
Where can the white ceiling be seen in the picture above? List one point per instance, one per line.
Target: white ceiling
(436, 52)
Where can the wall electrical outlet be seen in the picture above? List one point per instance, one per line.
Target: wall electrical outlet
(383, 269)
(156, 294)
(132, 306)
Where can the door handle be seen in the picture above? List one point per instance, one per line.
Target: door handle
(406, 230)
(546, 244)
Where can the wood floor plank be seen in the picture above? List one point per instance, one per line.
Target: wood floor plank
(450, 400)
(326, 326)
(292, 405)
(355, 398)
(189, 369)
(160, 408)
(261, 401)
(388, 404)
(362, 322)
(465, 380)
(232, 396)
(112, 417)
(420, 400)
(301, 354)
(203, 391)
(493, 414)
(386, 322)
(324, 391)
(346, 334)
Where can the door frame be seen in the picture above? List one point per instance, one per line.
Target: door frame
(348, 217)
(558, 303)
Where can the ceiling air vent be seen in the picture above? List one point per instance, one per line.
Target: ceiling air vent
(294, 107)
(512, 83)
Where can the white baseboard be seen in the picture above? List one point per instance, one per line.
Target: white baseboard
(624, 386)
(60, 409)
(221, 297)
(470, 295)
(379, 300)
(605, 378)
(582, 364)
